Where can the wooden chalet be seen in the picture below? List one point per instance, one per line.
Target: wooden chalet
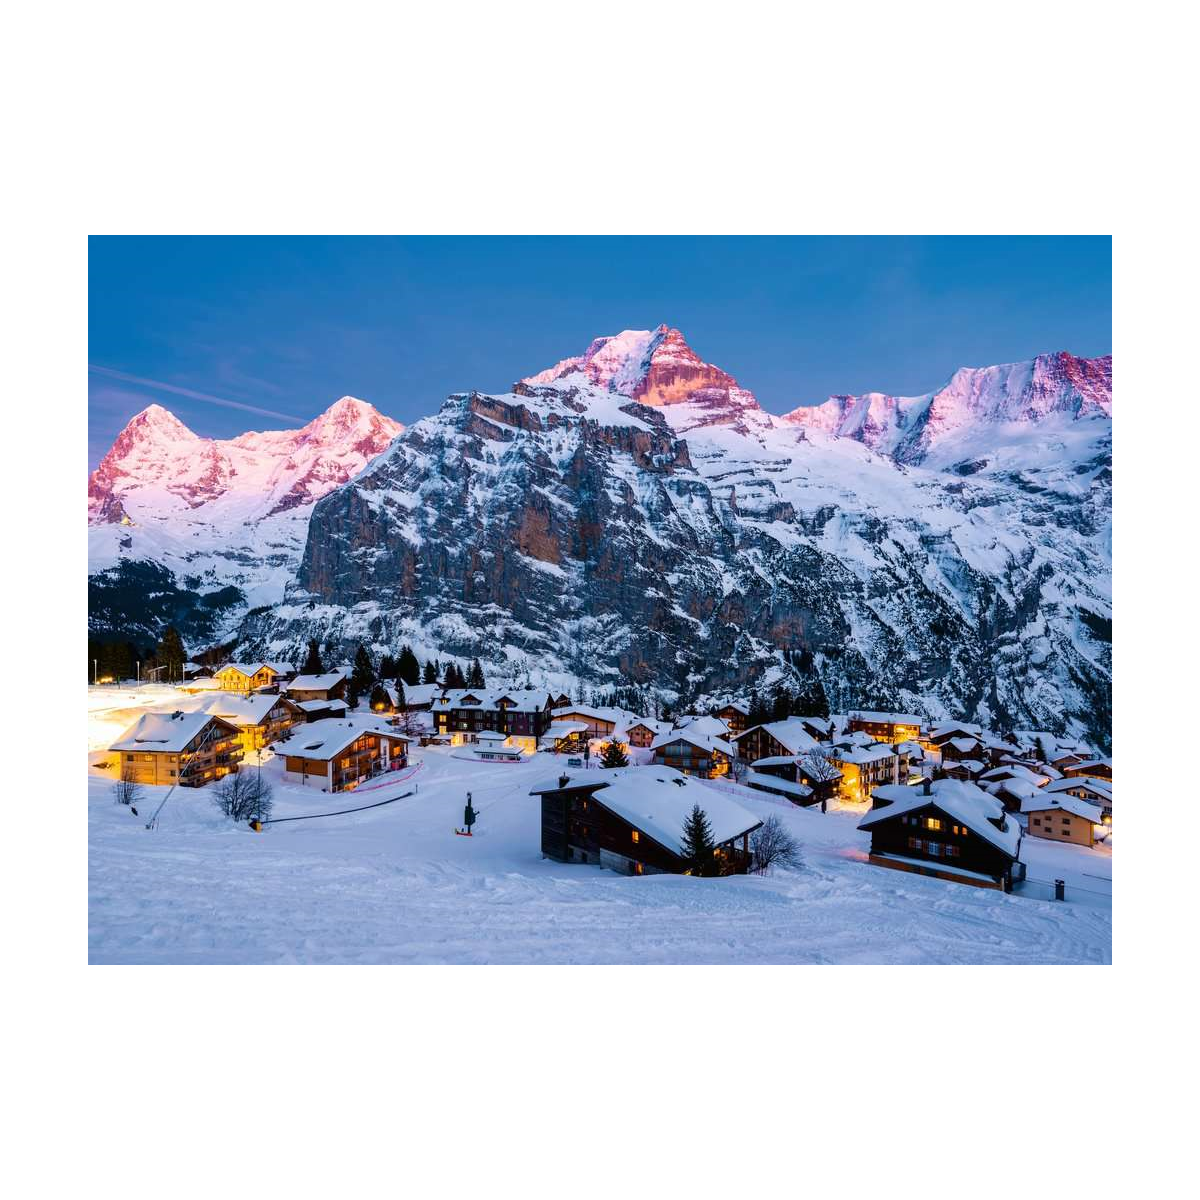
(631, 820)
(252, 677)
(690, 753)
(188, 748)
(260, 717)
(330, 685)
(774, 739)
(863, 768)
(968, 769)
(336, 755)
(599, 722)
(803, 779)
(948, 829)
(736, 715)
(1062, 817)
(1092, 768)
(886, 726)
(642, 733)
(463, 713)
(321, 710)
(1095, 791)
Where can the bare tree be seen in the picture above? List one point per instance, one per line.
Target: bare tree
(127, 790)
(244, 796)
(771, 843)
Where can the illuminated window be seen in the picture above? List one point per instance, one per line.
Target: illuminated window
(636, 836)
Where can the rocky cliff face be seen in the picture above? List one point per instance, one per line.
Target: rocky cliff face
(631, 514)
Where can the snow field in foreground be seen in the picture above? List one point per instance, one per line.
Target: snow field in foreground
(394, 885)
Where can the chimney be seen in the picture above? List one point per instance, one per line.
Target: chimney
(927, 787)
(563, 780)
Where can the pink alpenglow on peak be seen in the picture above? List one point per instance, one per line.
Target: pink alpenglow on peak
(1059, 387)
(659, 369)
(158, 467)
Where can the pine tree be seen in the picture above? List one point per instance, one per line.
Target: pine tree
(408, 668)
(697, 844)
(388, 667)
(475, 675)
(401, 699)
(431, 672)
(362, 678)
(613, 755)
(312, 664)
(171, 653)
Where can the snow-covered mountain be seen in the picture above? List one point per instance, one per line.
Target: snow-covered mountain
(198, 530)
(632, 515)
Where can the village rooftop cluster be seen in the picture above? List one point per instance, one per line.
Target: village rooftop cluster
(939, 798)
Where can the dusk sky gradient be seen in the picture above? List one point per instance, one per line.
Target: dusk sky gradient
(245, 333)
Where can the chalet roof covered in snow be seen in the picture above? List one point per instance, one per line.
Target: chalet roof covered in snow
(252, 668)
(310, 706)
(168, 732)
(328, 738)
(886, 718)
(488, 699)
(702, 741)
(659, 800)
(761, 778)
(713, 726)
(239, 708)
(790, 734)
(1064, 802)
(316, 683)
(737, 706)
(964, 745)
(966, 803)
(861, 755)
(954, 728)
(1101, 788)
(1015, 771)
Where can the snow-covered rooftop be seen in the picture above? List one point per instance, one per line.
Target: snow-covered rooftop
(790, 734)
(659, 800)
(328, 738)
(168, 732)
(316, 683)
(886, 718)
(966, 803)
(762, 779)
(1061, 800)
(1098, 787)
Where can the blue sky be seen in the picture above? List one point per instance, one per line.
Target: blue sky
(245, 333)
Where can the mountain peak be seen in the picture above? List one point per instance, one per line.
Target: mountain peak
(156, 421)
(655, 367)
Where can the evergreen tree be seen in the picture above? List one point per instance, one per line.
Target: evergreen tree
(171, 653)
(613, 755)
(387, 667)
(312, 664)
(697, 846)
(475, 675)
(362, 678)
(407, 667)
(401, 700)
(431, 672)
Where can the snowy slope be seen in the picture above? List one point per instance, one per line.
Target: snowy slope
(395, 885)
(217, 514)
